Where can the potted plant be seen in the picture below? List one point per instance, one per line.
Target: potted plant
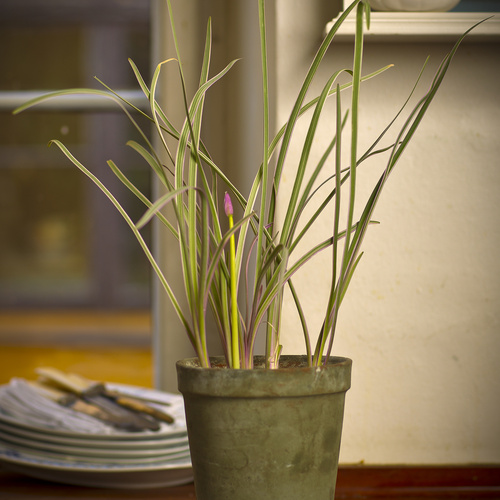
(265, 426)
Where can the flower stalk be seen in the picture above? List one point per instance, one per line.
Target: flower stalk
(235, 349)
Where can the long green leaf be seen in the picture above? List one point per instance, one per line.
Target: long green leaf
(135, 231)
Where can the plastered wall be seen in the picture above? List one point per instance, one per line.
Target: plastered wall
(421, 319)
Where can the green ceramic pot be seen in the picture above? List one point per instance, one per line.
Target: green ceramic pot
(265, 434)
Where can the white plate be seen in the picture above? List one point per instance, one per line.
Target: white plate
(114, 459)
(88, 453)
(72, 458)
(178, 427)
(108, 444)
(106, 476)
(175, 408)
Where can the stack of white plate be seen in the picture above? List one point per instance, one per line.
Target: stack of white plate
(115, 459)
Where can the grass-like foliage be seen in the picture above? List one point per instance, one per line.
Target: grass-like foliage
(222, 258)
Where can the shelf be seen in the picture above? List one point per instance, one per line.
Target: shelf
(423, 27)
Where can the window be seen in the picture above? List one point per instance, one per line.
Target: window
(62, 244)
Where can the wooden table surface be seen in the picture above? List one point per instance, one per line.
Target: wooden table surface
(14, 486)
(368, 483)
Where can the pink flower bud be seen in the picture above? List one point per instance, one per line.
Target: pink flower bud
(228, 205)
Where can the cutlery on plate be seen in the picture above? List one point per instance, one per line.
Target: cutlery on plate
(72, 401)
(134, 420)
(97, 393)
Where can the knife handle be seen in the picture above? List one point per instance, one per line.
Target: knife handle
(139, 406)
(71, 382)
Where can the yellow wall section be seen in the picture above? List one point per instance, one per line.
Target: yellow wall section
(99, 345)
(113, 364)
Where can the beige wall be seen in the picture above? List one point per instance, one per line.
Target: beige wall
(421, 320)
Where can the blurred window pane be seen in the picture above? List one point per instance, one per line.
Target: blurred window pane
(62, 244)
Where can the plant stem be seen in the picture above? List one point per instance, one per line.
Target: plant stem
(234, 300)
(235, 354)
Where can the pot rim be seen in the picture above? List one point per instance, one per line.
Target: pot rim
(333, 377)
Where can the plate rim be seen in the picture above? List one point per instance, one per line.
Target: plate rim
(53, 464)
